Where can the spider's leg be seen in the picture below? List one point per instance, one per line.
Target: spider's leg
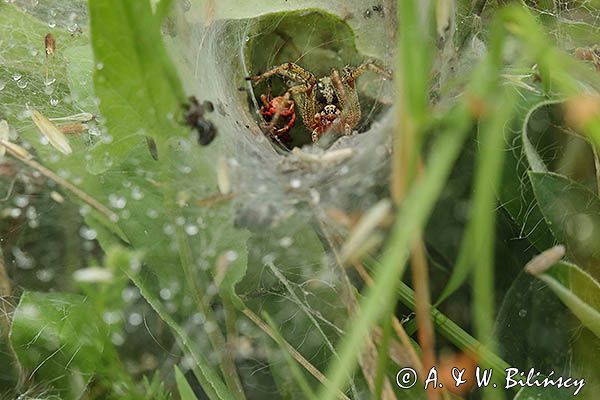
(349, 103)
(305, 98)
(339, 86)
(265, 100)
(315, 136)
(290, 71)
(347, 130)
(351, 75)
(269, 90)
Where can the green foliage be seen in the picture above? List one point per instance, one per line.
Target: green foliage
(185, 391)
(136, 83)
(560, 201)
(54, 336)
(578, 290)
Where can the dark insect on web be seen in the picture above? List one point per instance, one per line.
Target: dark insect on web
(194, 117)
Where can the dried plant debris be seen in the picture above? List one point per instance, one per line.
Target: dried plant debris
(56, 138)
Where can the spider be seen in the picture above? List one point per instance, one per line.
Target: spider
(328, 104)
(279, 115)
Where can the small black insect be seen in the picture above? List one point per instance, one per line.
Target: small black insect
(194, 118)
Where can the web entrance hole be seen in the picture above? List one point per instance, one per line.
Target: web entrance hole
(318, 42)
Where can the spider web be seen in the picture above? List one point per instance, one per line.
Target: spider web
(284, 196)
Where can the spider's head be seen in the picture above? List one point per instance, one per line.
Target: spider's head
(326, 92)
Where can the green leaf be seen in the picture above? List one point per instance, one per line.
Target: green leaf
(163, 8)
(578, 290)
(516, 194)
(533, 158)
(185, 391)
(531, 311)
(139, 89)
(572, 212)
(58, 337)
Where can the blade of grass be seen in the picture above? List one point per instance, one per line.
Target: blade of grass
(383, 352)
(450, 330)
(476, 244)
(293, 352)
(210, 380)
(7, 309)
(574, 287)
(218, 342)
(412, 85)
(489, 171)
(426, 334)
(418, 205)
(183, 387)
(369, 358)
(298, 375)
(399, 328)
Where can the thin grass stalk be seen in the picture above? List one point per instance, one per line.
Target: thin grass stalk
(417, 207)
(398, 328)
(298, 376)
(6, 310)
(368, 358)
(215, 336)
(382, 352)
(426, 334)
(489, 171)
(293, 352)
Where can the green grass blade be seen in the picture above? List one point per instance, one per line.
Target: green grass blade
(296, 372)
(209, 379)
(455, 334)
(488, 167)
(414, 213)
(185, 391)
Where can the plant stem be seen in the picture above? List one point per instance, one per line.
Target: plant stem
(368, 357)
(478, 6)
(426, 334)
(7, 309)
(215, 336)
(21, 154)
(411, 218)
(293, 352)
